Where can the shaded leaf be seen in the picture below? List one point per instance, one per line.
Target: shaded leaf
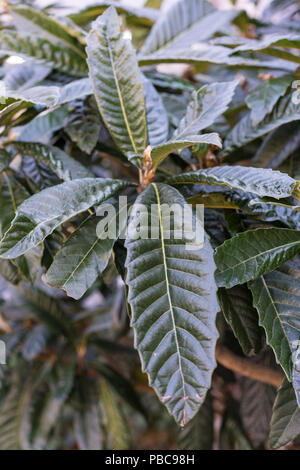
(244, 132)
(257, 403)
(276, 148)
(44, 124)
(285, 423)
(143, 16)
(198, 434)
(26, 75)
(236, 305)
(117, 429)
(86, 420)
(5, 159)
(276, 297)
(60, 162)
(82, 259)
(35, 342)
(84, 125)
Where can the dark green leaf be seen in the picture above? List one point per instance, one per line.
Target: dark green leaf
(41, 214)
(276, 148)
(262, 99)
(44, 124)
(157, 118)
(257, 403)
(172, 296)
(36, 21)
(185, 24)
(250, 254)
(244, 131)
(60, 162)
(263, 182)
(84, 125)
(276, 297)
(117, 83)
(42, 51)
(82, 259)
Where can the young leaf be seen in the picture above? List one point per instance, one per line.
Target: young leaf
(160, 152)
(263, 182)
(172, 295)
(41, 214)
(117, 83)
(285, 423)
(205, 106)
(276, 297)
(250, 254)
(60, 162)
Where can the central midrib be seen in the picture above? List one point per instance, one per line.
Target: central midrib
(168, 290)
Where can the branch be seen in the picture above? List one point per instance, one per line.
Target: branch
(247, 368)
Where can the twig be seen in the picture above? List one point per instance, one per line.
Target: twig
(247, 368)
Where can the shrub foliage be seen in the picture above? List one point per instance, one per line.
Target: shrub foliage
(88, 116)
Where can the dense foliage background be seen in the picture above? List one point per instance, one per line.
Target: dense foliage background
(190, 103)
